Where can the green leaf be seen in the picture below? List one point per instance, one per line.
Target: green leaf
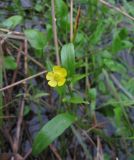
(12, 22)
(68, 58)
(116, 44)
(26, 110)
(96, 36)
(77, 77)
(9, 63)
(129, 6)
(118, 115)
(53, 129)
(75, 100)
(113, 65)
(61, 11)
(126, 44)
(92, 95)
(38, 7)
(60, 8)
(40, 94)
(120, 41)
(37, 39)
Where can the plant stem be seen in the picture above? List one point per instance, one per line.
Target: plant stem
(55, 33)
(71, 20)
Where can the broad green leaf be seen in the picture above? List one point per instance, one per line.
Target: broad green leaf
(10, 63)
(38, 7)
(53, 129)
(12, 22)
(36, 38)
(68, 58)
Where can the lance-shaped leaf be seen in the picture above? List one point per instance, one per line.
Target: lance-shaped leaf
(68, 58)
(51, 131)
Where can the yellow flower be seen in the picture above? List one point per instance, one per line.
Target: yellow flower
(57, 77)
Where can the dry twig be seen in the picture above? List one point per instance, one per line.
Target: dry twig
(55, 33)
(71, 20)
(117, 9)
(22, 81)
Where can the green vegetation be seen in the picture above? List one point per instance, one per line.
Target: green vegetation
(67, 79)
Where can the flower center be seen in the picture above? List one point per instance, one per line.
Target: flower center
(57, 77)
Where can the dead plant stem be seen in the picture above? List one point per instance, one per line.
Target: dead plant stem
(71, 20)
(117, 9)
(55, 33)
(22, 81)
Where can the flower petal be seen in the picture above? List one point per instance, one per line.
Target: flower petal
(61, 82)
(63, 72)
(56, 68)
(59, 70)
(50, 76)
(52, 83)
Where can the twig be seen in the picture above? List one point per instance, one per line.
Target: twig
(6, 117)
(20, 116)
(6, 134)
(17, 137)
(55, 152)
(117, 9)
(81, 142)
(36, 62)
(71, 20)
(114, 92)
(12, 36)
(15, 72)
(13, 32)
(1, 81)
(55, 33)
(27, 154)
(22, 81)
(31, 58)
(99, 155)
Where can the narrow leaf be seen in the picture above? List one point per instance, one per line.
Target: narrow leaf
(61, 8)
(68, 58)
(96, 36)
(51, 131)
